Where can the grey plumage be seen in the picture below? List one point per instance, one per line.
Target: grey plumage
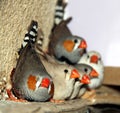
(64, 46)
(28, 76)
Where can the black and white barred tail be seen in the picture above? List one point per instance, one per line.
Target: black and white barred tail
(59, 11)
(31, 35)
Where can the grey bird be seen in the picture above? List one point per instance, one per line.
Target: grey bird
(30, 80)
(64, 46)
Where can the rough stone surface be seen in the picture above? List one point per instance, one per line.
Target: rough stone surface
(104, 95)
(15, 17)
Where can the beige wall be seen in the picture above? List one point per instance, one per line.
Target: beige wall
(15, 17)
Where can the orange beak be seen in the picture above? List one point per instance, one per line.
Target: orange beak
(83, 44)
(85, 79)
(94, 59)
(94, 73)
(45, 82)
(74, 74)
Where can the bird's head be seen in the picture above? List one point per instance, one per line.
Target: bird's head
(71, 74)
(94, 57)
(74, 43)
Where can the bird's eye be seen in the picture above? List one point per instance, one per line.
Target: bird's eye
(75, 40)
(99, 59)
(88, 56)
(86, 70)
(66, 71)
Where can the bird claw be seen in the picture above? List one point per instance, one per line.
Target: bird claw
(56, 101)
(11, 97)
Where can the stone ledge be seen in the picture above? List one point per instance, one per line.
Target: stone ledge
(104, 95)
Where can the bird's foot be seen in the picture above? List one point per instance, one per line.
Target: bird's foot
(56, 101)
(89, 95)
(13, 98)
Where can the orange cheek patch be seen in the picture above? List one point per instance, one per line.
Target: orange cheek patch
(31, 82)
(68, 45)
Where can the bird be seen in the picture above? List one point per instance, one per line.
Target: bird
(94, 59)
(63, 76)
(86, 72)
(30, 80)
(35, 83)
(64, 46)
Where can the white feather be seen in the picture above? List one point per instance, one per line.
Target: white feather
(32, 33)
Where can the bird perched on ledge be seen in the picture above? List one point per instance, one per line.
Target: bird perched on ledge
(64, 46)
(30, 80)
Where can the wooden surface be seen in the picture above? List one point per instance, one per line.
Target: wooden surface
(112, 76)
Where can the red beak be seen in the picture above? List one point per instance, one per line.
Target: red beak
(94, 59)
(85, 79)
(94, 73)
(45, 82)
(83, 44)
(74, 74)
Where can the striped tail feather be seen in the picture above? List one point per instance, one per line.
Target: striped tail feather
(59, 11)
(30, 36)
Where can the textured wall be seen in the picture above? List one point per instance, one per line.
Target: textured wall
(15, 17)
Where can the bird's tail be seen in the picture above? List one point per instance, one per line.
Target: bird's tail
(59, 11)
(30, 36)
